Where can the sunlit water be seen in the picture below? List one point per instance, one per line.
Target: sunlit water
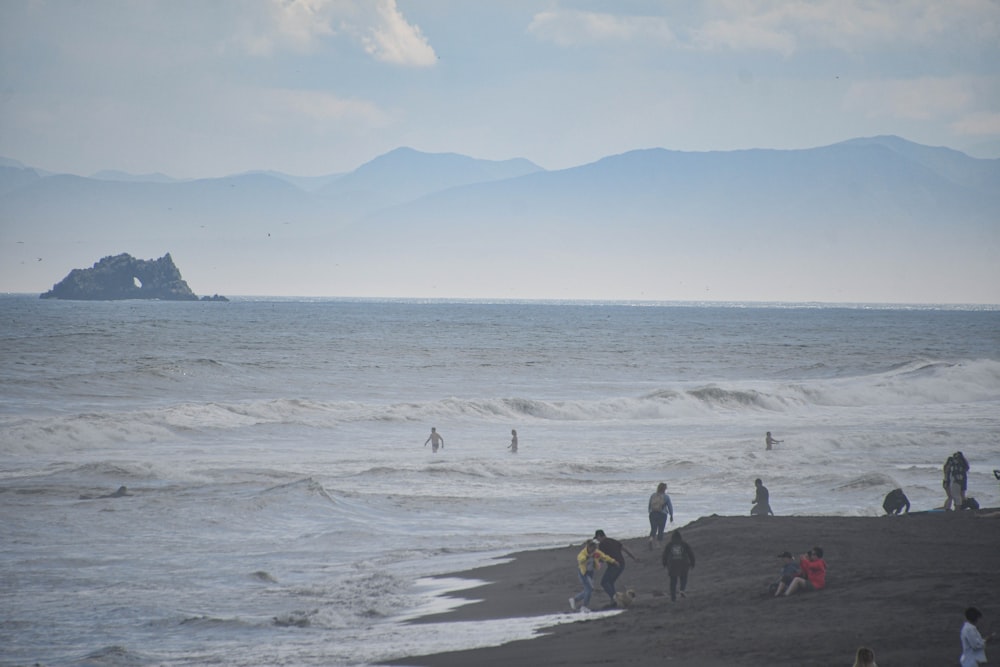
(284, 509)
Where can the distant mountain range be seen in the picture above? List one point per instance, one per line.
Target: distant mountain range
(875, 219)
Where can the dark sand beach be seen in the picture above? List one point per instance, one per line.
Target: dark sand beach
(899, 585)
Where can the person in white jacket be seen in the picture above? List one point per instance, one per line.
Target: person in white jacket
(973, 643)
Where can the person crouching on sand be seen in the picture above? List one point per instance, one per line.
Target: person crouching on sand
(586, 562)
(813, 577)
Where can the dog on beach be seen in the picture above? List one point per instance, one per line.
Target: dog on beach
(624, 599)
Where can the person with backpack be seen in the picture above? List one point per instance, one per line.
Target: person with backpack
(956, 480)
(659, 509)
(678, 558)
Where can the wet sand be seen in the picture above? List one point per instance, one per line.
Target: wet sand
(899, 585)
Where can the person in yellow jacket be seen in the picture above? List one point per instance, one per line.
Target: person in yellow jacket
(586, 562)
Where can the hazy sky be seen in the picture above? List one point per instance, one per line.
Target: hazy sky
(197, 88)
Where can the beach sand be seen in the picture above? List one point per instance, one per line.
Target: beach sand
(899, 585)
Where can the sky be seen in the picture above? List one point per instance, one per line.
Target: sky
(191, 88)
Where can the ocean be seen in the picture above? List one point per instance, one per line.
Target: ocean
(283, 508)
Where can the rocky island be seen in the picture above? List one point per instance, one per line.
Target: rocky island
(125, 277)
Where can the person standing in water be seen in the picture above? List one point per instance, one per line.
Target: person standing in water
(435, 439)
(769, 441)
(513, 442)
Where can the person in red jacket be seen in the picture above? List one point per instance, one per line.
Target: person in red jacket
(813, 576)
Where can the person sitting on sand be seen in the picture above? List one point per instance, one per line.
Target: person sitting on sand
(678, 558)
(660, 508)
(769, 441)
(865, 657)
(761, 501)
(789, 570)
(586, 562)
(896, 502)
(813, 577)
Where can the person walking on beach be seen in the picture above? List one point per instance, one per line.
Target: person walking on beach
(513, 442)
(435, 439)
(659, 509)
(761, 501)
(973, 643)
(586, 561)
(813, 577)
(678, 558)
(615, 549)
(769, 441)
(865, 657)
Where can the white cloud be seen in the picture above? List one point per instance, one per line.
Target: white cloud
(983, 123)
(783, 26)
(394, 40)
(320, 106)
(926, 98)
(304, 21)
(377, 26)
(569, 28)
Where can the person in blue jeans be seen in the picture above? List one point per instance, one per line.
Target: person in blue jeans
(659, 509)
(615, 549)
(586, 561)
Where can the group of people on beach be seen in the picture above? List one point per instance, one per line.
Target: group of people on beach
(596, 551)
(972, 641)
(955, 483)
(806, 574)
(609, 553)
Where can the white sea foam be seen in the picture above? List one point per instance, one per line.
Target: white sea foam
(284, 508)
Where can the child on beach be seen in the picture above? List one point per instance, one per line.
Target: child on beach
(586, 562)
(865, 657)
(789, 570)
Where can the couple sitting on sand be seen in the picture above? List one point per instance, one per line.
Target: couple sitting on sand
(809, 574)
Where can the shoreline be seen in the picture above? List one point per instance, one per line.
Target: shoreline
(896, 584)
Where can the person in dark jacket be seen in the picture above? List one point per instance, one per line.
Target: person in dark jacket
(678, 558)
(761, 501)
(616, 550)
(896, 502)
